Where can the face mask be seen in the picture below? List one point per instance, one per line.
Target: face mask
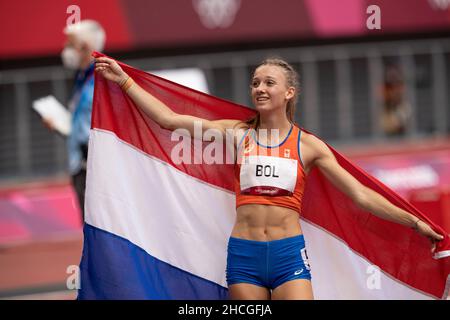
(71, 58)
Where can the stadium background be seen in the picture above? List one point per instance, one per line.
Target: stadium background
(342, 65)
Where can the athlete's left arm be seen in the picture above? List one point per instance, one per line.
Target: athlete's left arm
(364, 197)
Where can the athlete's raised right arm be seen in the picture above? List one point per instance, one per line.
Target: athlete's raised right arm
(153, 107)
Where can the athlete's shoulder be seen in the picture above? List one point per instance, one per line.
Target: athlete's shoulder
(307, 138)
(230, 127)
(231, 123)
(315, 146)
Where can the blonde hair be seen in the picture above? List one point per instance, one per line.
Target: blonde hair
(292, 80)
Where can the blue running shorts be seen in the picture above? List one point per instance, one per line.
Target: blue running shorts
(267, 263)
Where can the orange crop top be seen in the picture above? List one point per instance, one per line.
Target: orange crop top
(270, 175)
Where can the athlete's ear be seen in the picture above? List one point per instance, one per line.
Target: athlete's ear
(290, 93)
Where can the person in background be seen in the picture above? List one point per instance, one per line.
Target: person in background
(396, 114)
(82, 39)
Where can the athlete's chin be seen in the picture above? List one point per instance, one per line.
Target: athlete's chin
(263, 107)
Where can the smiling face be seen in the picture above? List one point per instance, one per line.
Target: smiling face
(269, 89)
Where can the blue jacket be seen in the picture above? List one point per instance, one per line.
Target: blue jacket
(80, 105)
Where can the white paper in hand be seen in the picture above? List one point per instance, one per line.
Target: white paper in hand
(50, 108)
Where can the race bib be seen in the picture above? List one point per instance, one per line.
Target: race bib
(268, 176)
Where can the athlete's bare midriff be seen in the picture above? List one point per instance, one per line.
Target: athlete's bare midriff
(265, 223)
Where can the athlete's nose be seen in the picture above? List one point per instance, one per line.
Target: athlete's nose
(260, 89)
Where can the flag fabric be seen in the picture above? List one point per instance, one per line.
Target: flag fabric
(158, 229)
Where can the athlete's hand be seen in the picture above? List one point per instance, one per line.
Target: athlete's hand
(425, 230)
(110, 69)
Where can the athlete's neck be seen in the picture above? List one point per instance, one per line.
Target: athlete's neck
(282, 124)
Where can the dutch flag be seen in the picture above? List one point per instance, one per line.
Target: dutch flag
(155, 229)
